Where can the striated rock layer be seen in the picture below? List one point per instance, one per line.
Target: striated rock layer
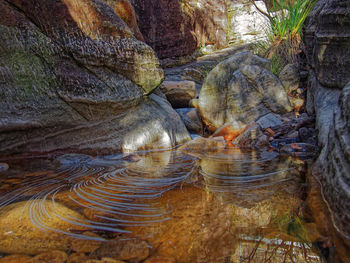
(73, 77)
(328, 47)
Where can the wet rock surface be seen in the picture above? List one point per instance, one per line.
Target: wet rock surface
(20, 235)
(129, 250)
(52, 256)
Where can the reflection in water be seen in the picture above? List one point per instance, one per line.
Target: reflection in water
(116, 192)
(192, 205)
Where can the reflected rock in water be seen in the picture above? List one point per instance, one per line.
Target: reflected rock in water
(97, 196)
(203, 206)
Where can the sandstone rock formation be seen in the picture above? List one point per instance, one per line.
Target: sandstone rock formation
(73, 77)
(240, 90)
(165, 27)
(125, 10)
(19, 229)
(177, 27)
(328, 41)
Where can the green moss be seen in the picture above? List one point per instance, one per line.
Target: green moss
(29, 74)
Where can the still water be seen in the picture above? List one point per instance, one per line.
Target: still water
(202, 202)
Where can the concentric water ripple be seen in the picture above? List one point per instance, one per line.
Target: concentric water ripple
(112, 192)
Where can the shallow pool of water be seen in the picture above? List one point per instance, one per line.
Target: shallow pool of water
(185, 205)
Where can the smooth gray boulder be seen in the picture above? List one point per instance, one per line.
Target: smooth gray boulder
(240, 90)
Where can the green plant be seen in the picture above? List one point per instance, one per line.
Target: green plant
(286, 19)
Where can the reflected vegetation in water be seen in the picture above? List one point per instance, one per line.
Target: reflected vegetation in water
(200, 203)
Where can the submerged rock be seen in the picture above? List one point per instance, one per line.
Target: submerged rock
(130, 250)
(55, 256)
(25, 229)
(16, 258)
(240, 90)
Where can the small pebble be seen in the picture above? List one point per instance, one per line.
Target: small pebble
(4, 167)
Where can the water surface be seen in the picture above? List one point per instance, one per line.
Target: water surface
(202, 203)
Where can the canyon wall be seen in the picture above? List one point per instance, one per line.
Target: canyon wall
(178, 27)
(327, 39)
(73, 76)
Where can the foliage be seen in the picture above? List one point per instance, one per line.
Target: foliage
(286, 19)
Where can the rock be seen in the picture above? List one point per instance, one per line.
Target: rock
(300, 149)
(293, 134)
(153, 125)
(201, 146)
(176, 28)
(104, 260)
(327, 40)
(84, 245)
(269, 120)
(327, 44)
(278, 143)
(67, 84)
(229, 131)
(160, 259)
(20, 235)
(4, 167)
(290, 77)
(252, 137)
(334, 161)
(14, 259)
(179, 93)
(305, 133)
(77, 258)
(191, 119)
(54, 256)
(245, 24)
(125, 11)
(194, 103)
(240, 90)
(129, 250)
(193, 75)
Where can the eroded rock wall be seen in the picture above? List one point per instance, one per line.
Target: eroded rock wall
(327, 41)
(72, 77)
(176, 28)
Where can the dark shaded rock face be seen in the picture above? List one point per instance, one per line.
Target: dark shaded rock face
(328, 38)
(165, 27)
(73, 76)
(328, 46)
(176, 28)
